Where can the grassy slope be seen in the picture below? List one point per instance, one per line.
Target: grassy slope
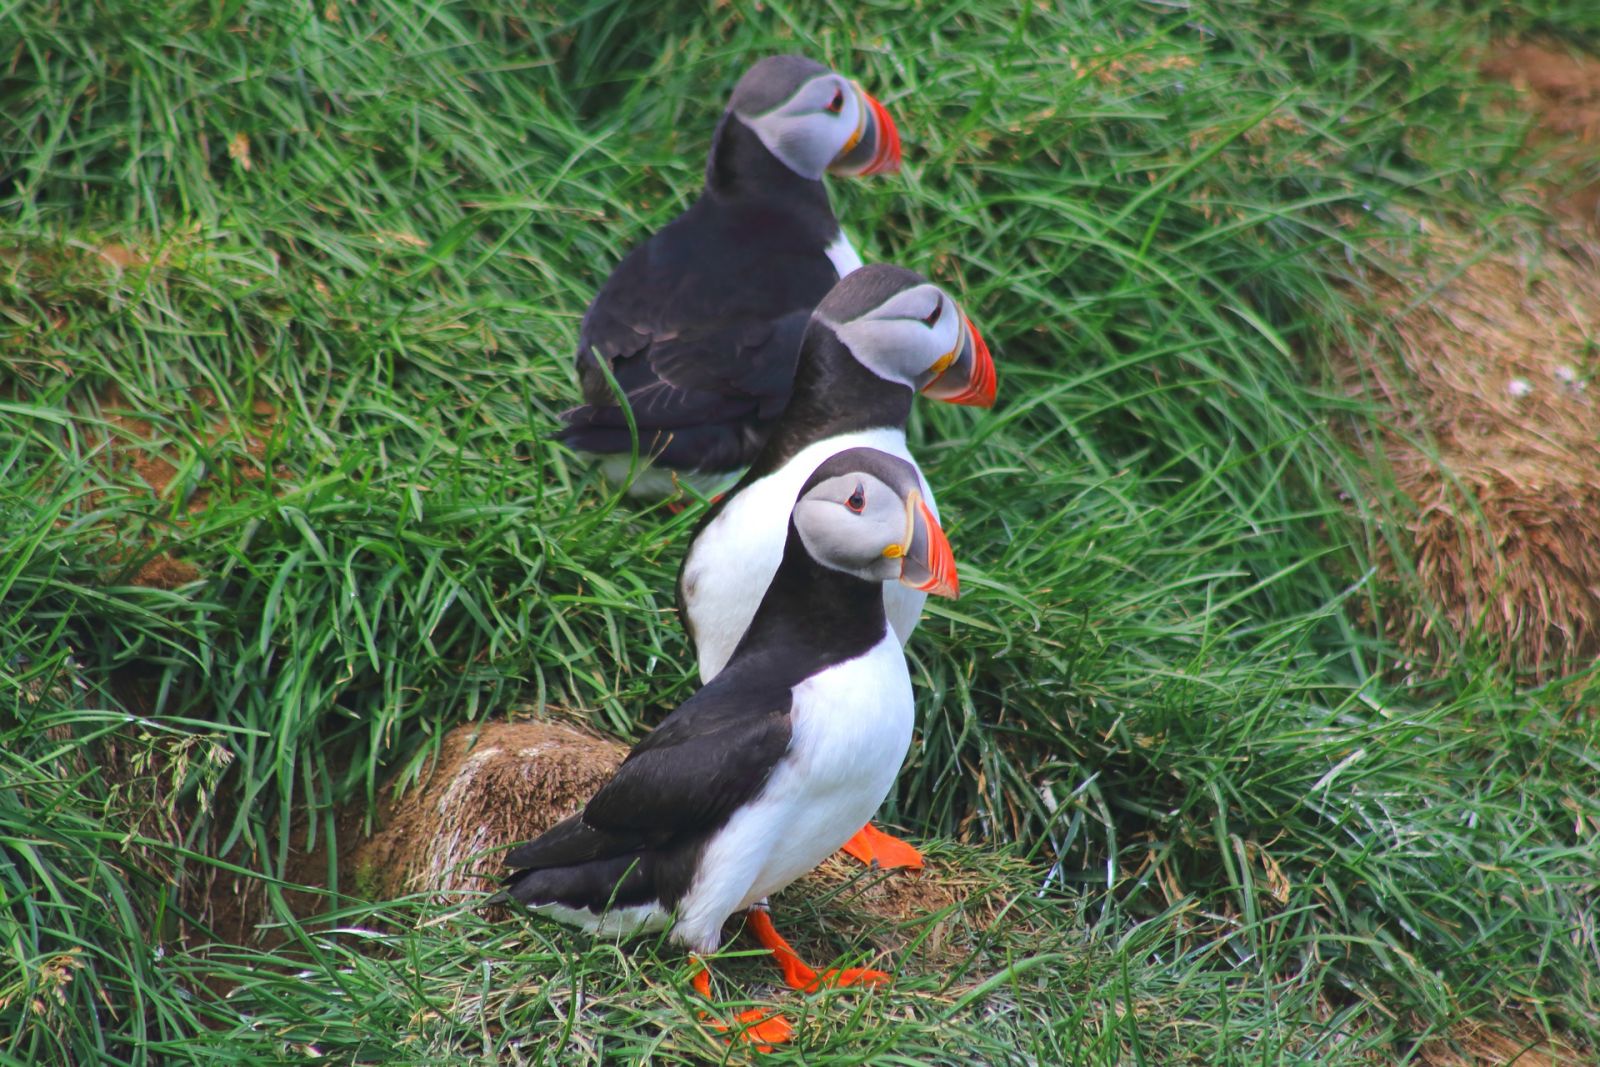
(351, 349)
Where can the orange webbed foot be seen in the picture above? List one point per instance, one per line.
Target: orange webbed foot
(852, 976)
(760, 1029)
(753, 1026)
(796, 974)
(875, 848)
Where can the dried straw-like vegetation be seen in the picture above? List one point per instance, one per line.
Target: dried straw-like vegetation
(1490, 427)
(1472, 1044)
(1491, 431)
(493, 785)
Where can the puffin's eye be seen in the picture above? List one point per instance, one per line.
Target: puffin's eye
(858, 499)
(836, 105)
(933, 316)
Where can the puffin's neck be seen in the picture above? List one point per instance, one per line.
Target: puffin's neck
(813, 616)
(742, 168)
(834, 393)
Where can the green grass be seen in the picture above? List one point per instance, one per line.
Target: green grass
(1247, 830)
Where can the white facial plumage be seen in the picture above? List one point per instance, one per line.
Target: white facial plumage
(810, 129)
(856, 524)
(909, 338)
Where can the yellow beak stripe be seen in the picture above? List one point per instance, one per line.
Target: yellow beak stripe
(861, 121)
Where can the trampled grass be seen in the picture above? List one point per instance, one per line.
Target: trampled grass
(288, 306)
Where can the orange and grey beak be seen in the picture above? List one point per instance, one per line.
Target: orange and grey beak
(875, 146)
(967, 376)
(926, 562)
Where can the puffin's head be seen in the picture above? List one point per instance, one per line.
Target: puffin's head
(815, 120)
(862, 512)
(904, 328)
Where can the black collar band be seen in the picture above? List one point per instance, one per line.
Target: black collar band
(811, 618)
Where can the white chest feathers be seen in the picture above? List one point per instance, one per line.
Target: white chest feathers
(731, 563)
(850, 729)
(842, 254)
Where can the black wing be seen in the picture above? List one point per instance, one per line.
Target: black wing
(700, 326)
(693, 413)
(683, 779)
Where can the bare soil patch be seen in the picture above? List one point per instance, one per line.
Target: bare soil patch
(947, 909)
(135, 444)
(138, 451)
(165, 571)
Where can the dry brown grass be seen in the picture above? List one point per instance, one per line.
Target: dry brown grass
(1487, 355)
(1476, 1044)
(494, 784)
(1485, 368)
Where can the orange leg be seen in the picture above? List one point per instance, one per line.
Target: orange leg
(875, 848)
(753, 1025)
(795, 972)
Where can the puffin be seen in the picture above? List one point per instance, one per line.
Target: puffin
(880, 336)
(699, 326)
(768, 768)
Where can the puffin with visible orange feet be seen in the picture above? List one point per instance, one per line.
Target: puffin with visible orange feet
(700, 325)
(771, 766)
(880, 336)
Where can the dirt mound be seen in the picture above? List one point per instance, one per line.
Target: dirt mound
(1561, 88)
(494, 784)
(1491, 432)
